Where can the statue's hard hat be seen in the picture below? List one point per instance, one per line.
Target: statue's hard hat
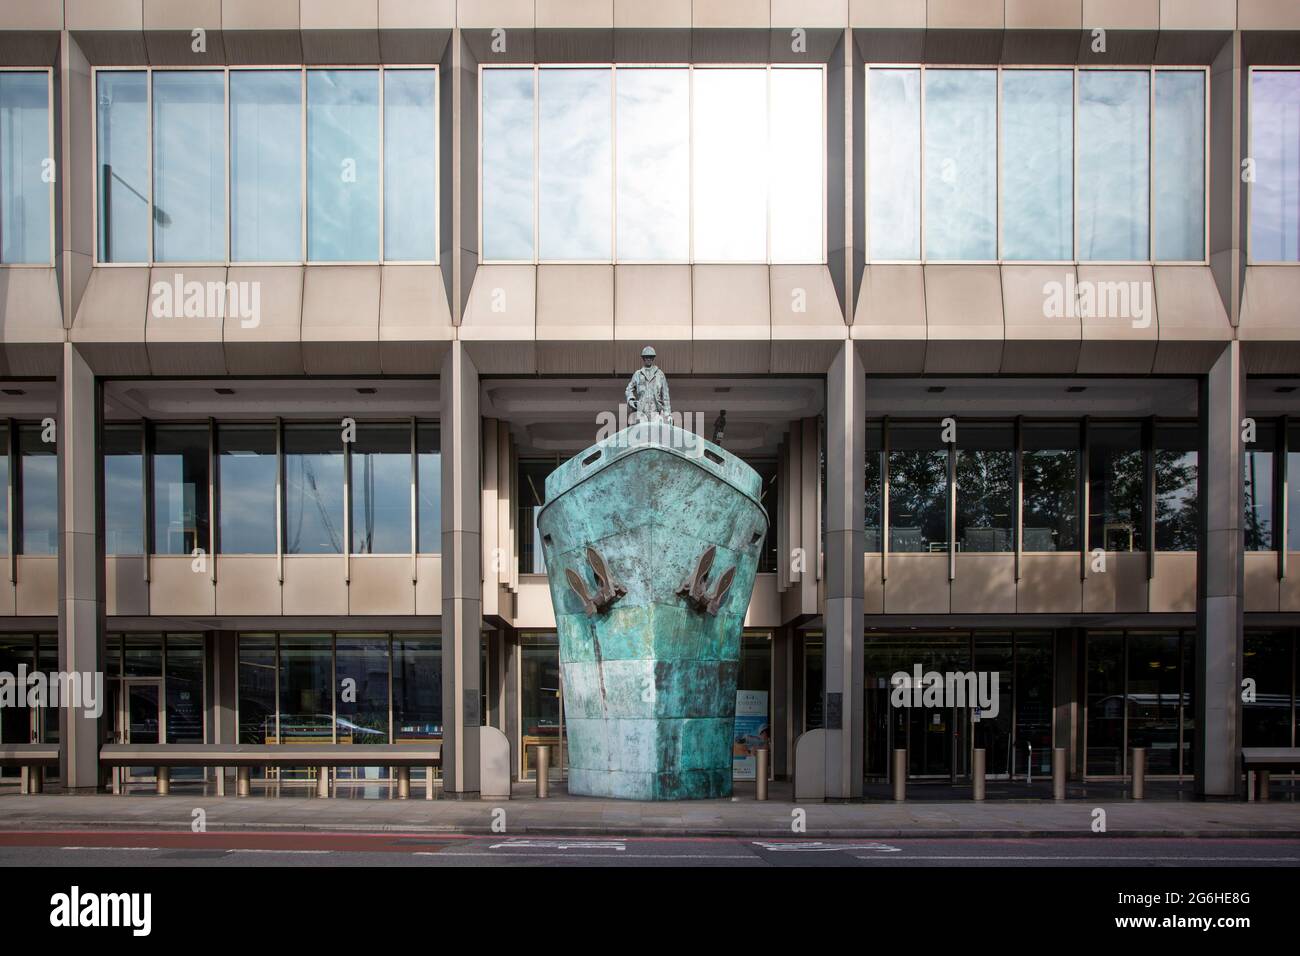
(648, 352)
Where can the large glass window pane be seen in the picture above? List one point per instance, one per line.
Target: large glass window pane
(180, 489)
(1105, 691)
(961, 164)
(894, 163)
(1176, 486)
(1154, 698)
(574, 164)
(654, 165)
(122, 153)
(985, 475)
(410, 164)
(265, 165)
(730, 141)
(1257, 487)
(144, 654)
(1038, 164)
(381, 490)
(1050, 506)
(38, 474)
(257, 689)
(361, 678)
(1116, 487)
(184, 689)
(532, 495)
(796, 142)
(507, 191)
(1178, 176)
(428, 450)
(1266, 659)
(4, 490)
(539, 696)
(1113, 152)
(874, 486)
(123, 490)
(16, 650)
(189, 166)
(417, 688)
(993, 654)
(1293, 488)
(246, 478)
(342, 165)
(918, 488)
(306, 689)
(313, 466)
(1275, 148)
(1033, 703)
(24, 151)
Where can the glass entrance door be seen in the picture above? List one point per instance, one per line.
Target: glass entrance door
(139, 720)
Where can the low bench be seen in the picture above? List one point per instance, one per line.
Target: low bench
(243, 757)
(1260, 762)
(33, 760)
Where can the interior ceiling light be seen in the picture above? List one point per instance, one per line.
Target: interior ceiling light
(367, 391)
(1285, 389)
(1076, 388)
(224, 391)
(14, 391)
(936, 389)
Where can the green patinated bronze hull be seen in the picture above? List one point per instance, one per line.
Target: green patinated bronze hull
(650, 662)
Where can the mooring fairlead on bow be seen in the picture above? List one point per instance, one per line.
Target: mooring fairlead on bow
(651, 538)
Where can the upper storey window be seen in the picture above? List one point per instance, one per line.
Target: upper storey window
(653, 164)
(27, 171)
(267, 165)
(1036, 165)
(1275, 151)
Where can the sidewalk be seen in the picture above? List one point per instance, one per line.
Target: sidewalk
(349, 810)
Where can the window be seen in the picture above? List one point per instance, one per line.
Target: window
(381, 490)
(1050, 504)
(1176, 454)
(417, 688)
(746, 176)
(265, 166)
(985, 476)
(1105, 703)
(257, 723)
(246, 480)
(171, 145)
(1267, 659)
(961, 164)
(189, 172)
(123, 489)
(1257, 478)
(874, 486)
(306, 689)
(26, 180)
(38, 479)
(1038, 168)
(184, 689)
(180, 489)
(313, 467)
(4, 490)
(1275, 191)
(1049, 165)
(428, 450)
(918, 488)
(362, 704)
(532, 495)
(1117, 483)
(1293, 488)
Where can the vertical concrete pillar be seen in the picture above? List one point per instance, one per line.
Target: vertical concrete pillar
(223, 699)
(81, 563)
(1220, 578)
(782, 738)
(846, 435)
(462, 605)
(1065, 709)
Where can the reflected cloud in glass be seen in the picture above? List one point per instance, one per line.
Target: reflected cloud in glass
(507, 164)
(730, 165)
(653, 111)
(575, 165)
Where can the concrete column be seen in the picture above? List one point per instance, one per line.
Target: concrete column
(462, 606)
(846, 435)
(223, 700)
(782, 740)
(1065, 710)
(1220, 588)
(81, 563)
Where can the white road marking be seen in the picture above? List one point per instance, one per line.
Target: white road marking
(240, 850)
(1063, 858)
(561, 845)
(119, 848)
(816, 846)
(668, 857)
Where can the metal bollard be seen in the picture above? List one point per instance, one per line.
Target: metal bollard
(428, 783)
(900, 775)
(1137, 761)
(978, 764)
(761, 755)
(322, 781)
(37, 782)
(243, 781)
(164, 778)
(403, 783)
(1058, 773)
(1262, 777)
(543, 771)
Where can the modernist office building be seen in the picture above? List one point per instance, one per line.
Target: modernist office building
(301, 300)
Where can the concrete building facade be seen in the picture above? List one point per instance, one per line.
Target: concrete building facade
(301, 300)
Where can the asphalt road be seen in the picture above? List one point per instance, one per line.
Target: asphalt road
(127, 848)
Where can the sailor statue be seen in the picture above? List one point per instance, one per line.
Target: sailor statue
(647, 393)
